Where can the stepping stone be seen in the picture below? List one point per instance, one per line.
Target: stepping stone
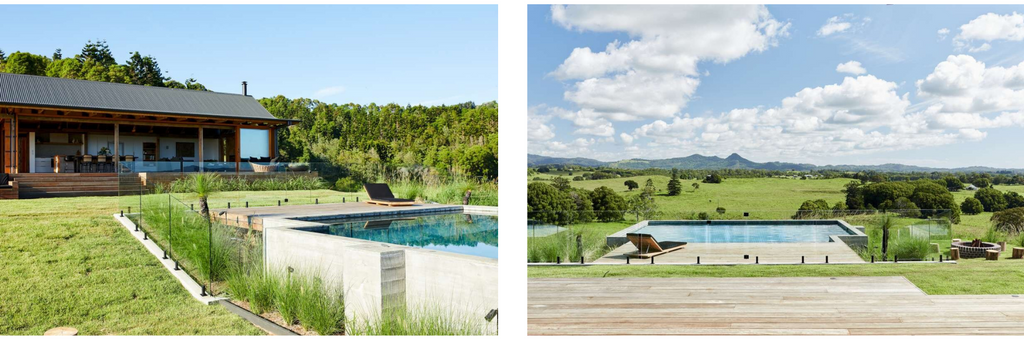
(62, 331)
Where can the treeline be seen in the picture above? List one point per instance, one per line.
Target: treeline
(597, 173)
(918, 198)
(95, 63)
(371, 140)
(562, 204)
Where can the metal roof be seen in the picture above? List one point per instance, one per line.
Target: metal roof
(31, 90)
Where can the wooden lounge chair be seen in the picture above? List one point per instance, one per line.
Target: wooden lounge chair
(5, 180)
(380, 194)
(648, 247)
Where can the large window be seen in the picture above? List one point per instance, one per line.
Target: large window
(255, 143)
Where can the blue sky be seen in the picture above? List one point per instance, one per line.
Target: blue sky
(361, 54)
(767, 83)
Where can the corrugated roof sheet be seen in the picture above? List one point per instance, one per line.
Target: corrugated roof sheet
(33, 90)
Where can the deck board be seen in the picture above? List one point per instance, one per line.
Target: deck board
(761, 306)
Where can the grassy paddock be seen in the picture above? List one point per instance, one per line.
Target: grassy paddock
(67, 262)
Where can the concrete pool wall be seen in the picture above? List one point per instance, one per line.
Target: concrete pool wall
(379, 276)
(855, 238)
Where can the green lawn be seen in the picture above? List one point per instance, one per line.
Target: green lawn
(67, 262)
(973, 276)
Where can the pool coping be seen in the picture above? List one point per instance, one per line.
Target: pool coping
(855, 238)
(294, 224)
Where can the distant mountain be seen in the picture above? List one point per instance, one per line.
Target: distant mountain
(735, 161)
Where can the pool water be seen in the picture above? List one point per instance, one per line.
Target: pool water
(719, 233)
(469, 234)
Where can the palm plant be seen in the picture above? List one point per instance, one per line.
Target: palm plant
(203, 185)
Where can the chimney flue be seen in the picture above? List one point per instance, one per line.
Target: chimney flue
(245, 88)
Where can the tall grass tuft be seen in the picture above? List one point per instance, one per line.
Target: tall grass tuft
(591, 245)
(425, 320)
(321, 306)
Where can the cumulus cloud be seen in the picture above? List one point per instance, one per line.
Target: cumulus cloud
(537, 125)
(859, 115)
(626, 138)
(852, 67)
(834, 25)
(989, 27)
(943, 33)
(655, 74)
(962, 84)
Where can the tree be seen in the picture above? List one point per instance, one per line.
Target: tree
(649, 188)
(1009, 221)
(608, 206)
(991, 198)
(982, 182)
(561, 183)
(953, 184)
(642, 206)
(97, 51)
(971, 206)
(144, 70)
(813, 209)
(57, 55)
(3, 56)
(584, 205)
(1013, 199)
(548, 204)
(631, 185)
(713, 178)
(203, 185)
(578, 178)
(26, 63)
(674, 187)
(695, 186)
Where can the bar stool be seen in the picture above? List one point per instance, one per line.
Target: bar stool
(87, 163)
(101, 163)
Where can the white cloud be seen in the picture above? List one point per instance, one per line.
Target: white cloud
(990, 27)
(852, 67)
(943, 33)
(586, 121)
(626, 138)
(961, 90)
(982, 48)
(655, 74)
(537, 125)
(834, 25)
(328, 91)
(857, 116)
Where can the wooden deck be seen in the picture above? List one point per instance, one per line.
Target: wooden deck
(762, 306)
(732, 253)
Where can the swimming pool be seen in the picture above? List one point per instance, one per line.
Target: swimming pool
(702, 232)
(469, 234)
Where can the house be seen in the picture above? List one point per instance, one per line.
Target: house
(971, 187)
(64, 132)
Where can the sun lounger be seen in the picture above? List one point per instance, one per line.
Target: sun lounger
(380, 194)
(648, 247)
(5, 180)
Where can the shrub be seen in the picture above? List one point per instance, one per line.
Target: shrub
(703, 216)
(347, 184)
(720, 210)
(1010, 221)
(713, 178)
(982, 183)
(561, 183)
(813, 209)
(971, 206)
(1013, 199)
(991, 199)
